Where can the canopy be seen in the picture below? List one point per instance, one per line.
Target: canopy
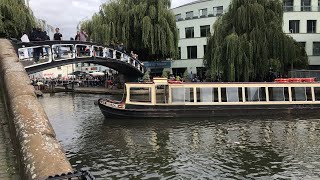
(97, 74)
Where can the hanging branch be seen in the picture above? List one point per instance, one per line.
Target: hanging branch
(15, 18)
(147, 27)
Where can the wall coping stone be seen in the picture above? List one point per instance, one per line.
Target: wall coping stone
(39, 153)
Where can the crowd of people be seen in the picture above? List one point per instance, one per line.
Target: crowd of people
(39, 35)
(88, 81)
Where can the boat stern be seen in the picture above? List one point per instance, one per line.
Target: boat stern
(111, 104)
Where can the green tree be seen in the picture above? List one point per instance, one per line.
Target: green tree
(146, 77)
(147, 27)
(249, 39)
(186, 76)
(165, 73)
(15, 18)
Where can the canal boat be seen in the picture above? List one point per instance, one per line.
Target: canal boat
(163, 98)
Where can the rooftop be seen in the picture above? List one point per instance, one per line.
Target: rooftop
(194, 2)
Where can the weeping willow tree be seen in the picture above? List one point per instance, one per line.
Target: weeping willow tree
(147, 27)
(15, 18)
(248, 41)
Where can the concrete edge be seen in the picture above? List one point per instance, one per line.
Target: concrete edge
(39, 153)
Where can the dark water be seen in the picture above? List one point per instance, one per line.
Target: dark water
(252, 148)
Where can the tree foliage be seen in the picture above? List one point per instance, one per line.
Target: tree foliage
(248, 40)
(146, 77)
(15, 18)
(147, 27)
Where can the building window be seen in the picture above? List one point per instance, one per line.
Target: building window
(319, 5)
(189, 32)
(204, 50)
(178, 17)
(302, 44)
(189, 15)
(218, 10)
(294, 26)
(192, 52)
(288, 5)
(203, 12)
(305, 5)
(311, 26)
(179, 52)
(59, 67)
(205, 31)
(316, 48)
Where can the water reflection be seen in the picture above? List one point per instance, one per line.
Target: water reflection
(252, 148)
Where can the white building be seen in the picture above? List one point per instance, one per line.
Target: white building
(195, 20)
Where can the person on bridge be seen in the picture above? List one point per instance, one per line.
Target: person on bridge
(83, 35)
(57, 37)
(36, 36)
(77, 37)
(80, 49)
(45, 37)
(25, 39)
(121, 48)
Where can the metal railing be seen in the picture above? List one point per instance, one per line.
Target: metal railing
(35, 53)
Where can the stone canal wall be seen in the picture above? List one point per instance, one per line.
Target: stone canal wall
(38, 151)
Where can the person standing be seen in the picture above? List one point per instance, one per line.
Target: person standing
(77, 37)
(83, 35)
(79, 47)
(36, 36)
(57, 37)
(46, 38)
(25, 38)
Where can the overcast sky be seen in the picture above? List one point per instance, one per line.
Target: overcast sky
(66, 14)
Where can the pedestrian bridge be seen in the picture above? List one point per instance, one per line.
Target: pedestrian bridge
(42, 55)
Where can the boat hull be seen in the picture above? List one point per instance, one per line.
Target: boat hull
(194, 111)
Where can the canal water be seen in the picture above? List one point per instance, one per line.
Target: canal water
(226, 148)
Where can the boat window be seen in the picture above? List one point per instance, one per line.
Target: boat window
(162, 94)
(189, 95)
(299, 94)
(309, 94)
(317, 93)
(231, 94)
(207, 94)
(142, 95)
(182, 95)
(278, 94)
(254, 94)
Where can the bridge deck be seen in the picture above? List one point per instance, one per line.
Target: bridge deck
(8, 166)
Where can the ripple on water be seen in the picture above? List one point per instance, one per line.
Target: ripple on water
(252, 148)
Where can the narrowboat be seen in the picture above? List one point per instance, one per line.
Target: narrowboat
(173, 99)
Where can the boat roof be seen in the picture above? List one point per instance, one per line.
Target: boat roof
(165, 81)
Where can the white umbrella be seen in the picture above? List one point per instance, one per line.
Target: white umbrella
(97, 74)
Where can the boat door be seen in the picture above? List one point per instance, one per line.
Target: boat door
(162, 94)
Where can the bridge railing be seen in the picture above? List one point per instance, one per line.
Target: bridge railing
(34, 53)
